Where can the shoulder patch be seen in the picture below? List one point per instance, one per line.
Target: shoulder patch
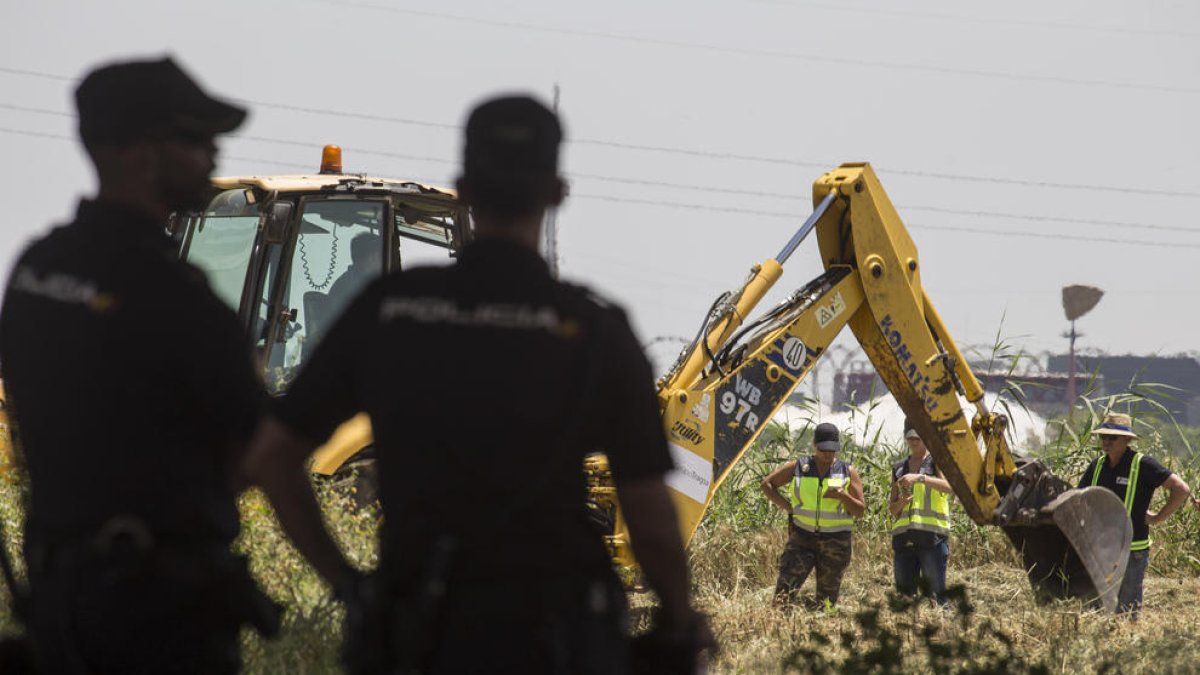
(62, 287)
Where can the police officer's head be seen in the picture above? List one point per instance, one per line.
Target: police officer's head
(826, 440)
(910, 432)
(149, 128)
(510, 161)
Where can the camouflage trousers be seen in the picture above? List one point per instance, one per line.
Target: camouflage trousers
(828, 554)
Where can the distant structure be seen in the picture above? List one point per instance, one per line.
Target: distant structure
(858, 386)
(1042, 381)
(1120, 373)
(1043, 390)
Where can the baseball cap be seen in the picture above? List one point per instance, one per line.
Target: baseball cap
(826, 437)
(125, 101)
(909, 430)
(512, 135)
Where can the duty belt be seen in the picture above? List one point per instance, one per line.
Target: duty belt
(125, 544)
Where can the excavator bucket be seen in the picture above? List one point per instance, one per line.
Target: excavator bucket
(1080, 546)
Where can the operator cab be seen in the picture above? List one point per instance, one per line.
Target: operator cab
(289, 253)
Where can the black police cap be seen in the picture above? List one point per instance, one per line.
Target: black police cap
(128, 101)
(512, 135)
(826, 437)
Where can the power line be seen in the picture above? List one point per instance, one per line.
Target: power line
(908, 172)
(689, 206)
(244, 101)
(259, 139)
(708, 154)
(1049, 79)
(750, 211)
(224, 157)
(944, 70)
(689, 152)
(1055, 219)
(39, 111)
(363, 151)
(932, 209)
(348, 114)
(38, 73)
(1047, 235)
(685, 186)
(910, 14)
(36, 134)
(1044, 184)
(918, 226)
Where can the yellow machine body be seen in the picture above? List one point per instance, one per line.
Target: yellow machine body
(726, 386)
(259, 280)
(347, 441)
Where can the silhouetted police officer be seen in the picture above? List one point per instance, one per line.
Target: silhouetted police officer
(133, 394)
(487, 383)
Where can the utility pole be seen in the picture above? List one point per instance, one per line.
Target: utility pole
(1071, 369)
(1076, 301)
(550, 227)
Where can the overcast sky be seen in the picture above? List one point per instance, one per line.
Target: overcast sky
(1027, 145)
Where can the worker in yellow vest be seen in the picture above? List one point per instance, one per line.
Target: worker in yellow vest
(826, 496)
(920, 508)
(1133, 477)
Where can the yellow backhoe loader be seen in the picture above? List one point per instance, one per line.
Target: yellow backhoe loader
(729, 382)
(288, 253)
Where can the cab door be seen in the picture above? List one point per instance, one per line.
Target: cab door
(336, 248)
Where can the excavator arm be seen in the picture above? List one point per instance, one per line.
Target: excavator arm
(732, 379)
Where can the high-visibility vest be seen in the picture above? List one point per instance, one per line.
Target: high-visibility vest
(929, 510)
(1130, 493)
(811, 510)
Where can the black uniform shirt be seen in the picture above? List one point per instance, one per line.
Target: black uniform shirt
(1151, 474)
(130, 382)
(470, 374)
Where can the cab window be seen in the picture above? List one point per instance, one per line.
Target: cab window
(424, 234)
(339, 250)
(220, 241)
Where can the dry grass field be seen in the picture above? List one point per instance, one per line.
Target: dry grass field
(1001, 631)
(995, 627)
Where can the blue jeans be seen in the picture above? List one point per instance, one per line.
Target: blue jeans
(1129, 598)
(913, 561)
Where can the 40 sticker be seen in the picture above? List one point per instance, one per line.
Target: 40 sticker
(794, 353)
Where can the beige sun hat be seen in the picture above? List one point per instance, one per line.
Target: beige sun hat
(1115, 424)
